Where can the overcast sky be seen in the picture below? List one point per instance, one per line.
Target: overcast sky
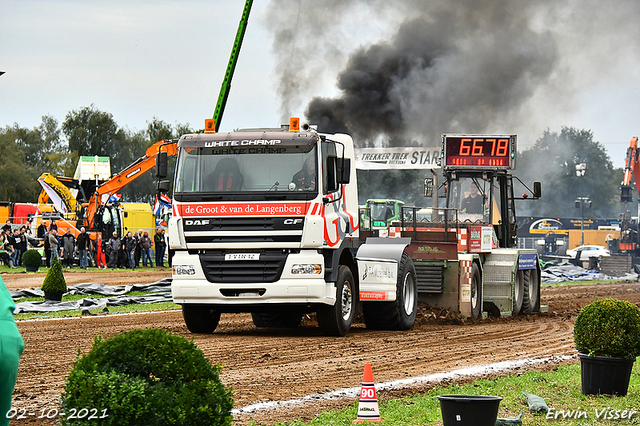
(143, 59)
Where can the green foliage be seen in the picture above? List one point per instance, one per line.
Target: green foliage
(608, 327)
(32, 258)
(54, 281)
(552, 161)
(147, 377)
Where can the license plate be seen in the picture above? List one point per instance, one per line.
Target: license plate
(242, 256)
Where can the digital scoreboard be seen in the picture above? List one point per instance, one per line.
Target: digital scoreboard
(494, 152)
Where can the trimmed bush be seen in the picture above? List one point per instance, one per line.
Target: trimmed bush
(54, 281)
(147, 377)
(608, 327)
(32, 258)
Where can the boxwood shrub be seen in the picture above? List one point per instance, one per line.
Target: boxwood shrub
(608, 327)
(54, 280)
(146, 377)
(32, 258)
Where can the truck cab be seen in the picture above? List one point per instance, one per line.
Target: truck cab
(265, 221)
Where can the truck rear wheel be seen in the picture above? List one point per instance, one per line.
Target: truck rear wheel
(400, 314)
(276, 320)
(476, 292)
(518, 293)
(336, 320)
(531, 290)
(200, 318)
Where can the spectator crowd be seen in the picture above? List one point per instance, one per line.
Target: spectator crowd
(116, 252)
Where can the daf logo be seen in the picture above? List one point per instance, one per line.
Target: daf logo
(196, 222)
(296, 221)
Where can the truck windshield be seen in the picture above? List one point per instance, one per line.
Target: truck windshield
(210, 170)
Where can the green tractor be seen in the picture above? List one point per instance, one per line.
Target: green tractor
(379, 213)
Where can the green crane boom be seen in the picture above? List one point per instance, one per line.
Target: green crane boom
(228, 75)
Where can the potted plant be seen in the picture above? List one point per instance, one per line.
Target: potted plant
(32, 260)
(607, 337)
(54, 285)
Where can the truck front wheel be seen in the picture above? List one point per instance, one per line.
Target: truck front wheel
(200, 318)
(336, 320)
(400, 314)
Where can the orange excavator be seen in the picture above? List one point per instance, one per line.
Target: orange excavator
(91, 212)
(628, 242)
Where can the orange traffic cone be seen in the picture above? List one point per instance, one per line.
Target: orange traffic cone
(368, 404)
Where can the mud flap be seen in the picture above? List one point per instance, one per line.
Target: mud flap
(465, 275)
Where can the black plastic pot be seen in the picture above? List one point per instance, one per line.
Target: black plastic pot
(469, 410)
(54, 296)
(605, 375)
(32, 268)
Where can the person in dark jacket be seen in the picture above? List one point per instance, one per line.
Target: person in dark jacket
(47, 249)
(158, 242)
(11, 347)
(130, 247)
(83, 247)
(23, 242)
(68, 244)
(145, 245)
(138, 255)
(114, 247)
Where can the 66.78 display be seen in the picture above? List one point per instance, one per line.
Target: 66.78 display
(479, 151)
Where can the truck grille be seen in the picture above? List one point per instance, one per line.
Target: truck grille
(267, 269)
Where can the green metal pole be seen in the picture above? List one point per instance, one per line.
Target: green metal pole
(226, 82)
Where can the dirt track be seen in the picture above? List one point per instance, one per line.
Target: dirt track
(263, 365)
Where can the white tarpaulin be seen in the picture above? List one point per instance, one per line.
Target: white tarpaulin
(397, 158)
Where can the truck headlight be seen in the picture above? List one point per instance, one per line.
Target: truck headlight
(184, 270)
(306, 268)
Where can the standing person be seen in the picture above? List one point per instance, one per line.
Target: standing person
(68, 243)
(100, 252)
(22, 243)
(42, 230)
(54, 244)
(4, 255)
(11, 347)
(14, 242)
(145, 244)
(158, 241)
(138, 237)
(130, 248)
(83, 247)
(53, 225)
(114, 247)
(47, 249)
(7, 226)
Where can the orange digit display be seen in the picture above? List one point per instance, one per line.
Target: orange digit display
(494, 152)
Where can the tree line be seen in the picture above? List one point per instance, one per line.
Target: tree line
(55, 148)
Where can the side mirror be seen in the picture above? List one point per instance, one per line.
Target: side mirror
(162, 165)
(344, 170)
(163, 186)
(537, 189)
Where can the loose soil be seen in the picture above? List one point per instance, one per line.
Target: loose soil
(271, 365)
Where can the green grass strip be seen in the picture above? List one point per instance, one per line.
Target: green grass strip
(561, 390)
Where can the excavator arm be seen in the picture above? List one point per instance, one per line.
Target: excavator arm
(56, 191)
(233, 59)
(128, 175)
(631, 172)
